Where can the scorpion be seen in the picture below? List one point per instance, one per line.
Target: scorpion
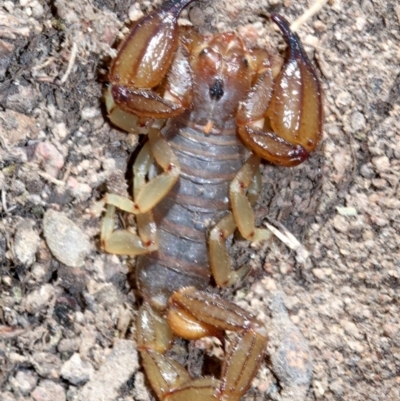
(212, 108)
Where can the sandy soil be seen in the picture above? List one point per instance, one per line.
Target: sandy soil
(67, 309)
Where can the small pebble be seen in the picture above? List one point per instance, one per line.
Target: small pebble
(135, 13)
(90, 112)
(68, 345)
(60, 131)
(49, 391)
(360, 23)
(9, 6)
(46, 365)
(357, 121)
(7, 396)
(77, 371)
(39, 299)
(123, 362)
(367, 171)
(343, 99)
(37, 10)
(25, 381)
(381, 163)
(26, 242)
(351, 329)
(65, 239)
(341, 224)
(50, 158)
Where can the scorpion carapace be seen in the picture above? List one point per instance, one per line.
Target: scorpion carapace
(196, 180)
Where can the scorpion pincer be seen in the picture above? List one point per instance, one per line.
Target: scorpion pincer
(211, 108)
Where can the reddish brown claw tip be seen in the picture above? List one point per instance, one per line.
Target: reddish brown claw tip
(295, 47)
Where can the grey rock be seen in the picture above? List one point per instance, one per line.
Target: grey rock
(26, 242)
(65, 239)
(39, 299)
(25, 381)
(121, 364)
(49, 391)
(76, 371)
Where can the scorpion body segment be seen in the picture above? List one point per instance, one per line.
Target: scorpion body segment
(196, 180)
(208, 165)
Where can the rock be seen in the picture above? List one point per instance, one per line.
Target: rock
(343, 99)
(68, 345)
(357, 121)
(25, 381)
(49, 391)
(7, 396)
(17, 128)
(341, 224)
(90, 112)
(26, 242)
(382, 163)
(39, 299)
(351, 329)
(46, 364)
(119, 367)
(65, 239)
(289, 352)
(76, 371)
(22, 98)
(49, 157)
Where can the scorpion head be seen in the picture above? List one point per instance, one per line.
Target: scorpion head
(223, 73)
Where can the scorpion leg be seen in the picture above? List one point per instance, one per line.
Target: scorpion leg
(154, 338)
(194, 314)
(153, 191)
(150, 76)
(146, 196)
(220, 261)
(242, 198)
(289, 124)
(123, 242)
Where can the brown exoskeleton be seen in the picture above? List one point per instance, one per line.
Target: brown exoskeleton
(227, 107)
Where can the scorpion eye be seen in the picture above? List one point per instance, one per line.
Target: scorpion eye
(205, 51)
(246, 62)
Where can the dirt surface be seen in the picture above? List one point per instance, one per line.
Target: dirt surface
(66, 314)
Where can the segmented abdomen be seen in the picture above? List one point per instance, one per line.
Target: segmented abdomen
(199, 199)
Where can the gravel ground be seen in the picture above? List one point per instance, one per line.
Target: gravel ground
(66, 308)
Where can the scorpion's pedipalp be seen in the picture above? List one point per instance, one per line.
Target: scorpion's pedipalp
(293, 125)
(145, 57)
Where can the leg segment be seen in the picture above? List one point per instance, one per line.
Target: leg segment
(241, 200)
(203, 315)
(217, 315)
(146, 196)
(244, 192)
(123, 242)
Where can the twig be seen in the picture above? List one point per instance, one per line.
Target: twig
(317, 6)
(4, 202)
(289, 240)
(51, 179)
(71, 62)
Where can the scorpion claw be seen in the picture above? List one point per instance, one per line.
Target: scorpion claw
(292, 123)
(138, 75)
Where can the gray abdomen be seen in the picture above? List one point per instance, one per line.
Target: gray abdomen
(197, 201)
